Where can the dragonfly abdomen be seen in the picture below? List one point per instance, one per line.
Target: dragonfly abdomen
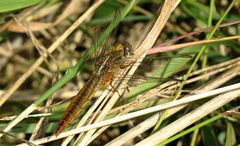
(78, 103)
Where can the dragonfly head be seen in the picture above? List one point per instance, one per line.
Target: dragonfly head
(124, 48)
(128, 50)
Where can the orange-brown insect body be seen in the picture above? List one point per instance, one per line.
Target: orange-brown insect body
(110, 63)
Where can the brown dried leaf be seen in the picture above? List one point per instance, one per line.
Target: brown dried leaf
(46, 11)
(75, 6)
(32, 26)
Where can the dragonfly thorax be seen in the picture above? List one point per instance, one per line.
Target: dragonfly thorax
(114, 58)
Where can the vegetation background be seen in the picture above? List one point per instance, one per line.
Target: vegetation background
(47, 52)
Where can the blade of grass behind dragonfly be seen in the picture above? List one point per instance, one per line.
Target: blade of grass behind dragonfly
(71, 72)
(166, 70)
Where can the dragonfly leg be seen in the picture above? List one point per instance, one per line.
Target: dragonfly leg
(114, 90)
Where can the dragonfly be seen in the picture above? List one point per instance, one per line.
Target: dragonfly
(107, 66)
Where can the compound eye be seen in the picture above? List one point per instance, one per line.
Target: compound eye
(128, 51)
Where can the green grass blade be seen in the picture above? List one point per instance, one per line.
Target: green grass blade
(189, 130)
(11, 5)
(231, 136)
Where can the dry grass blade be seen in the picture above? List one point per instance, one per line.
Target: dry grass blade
(141, 128)
(221, 79)
(71, 8)
(29, 116)
(188, 99)
(190, 118)
(178, 46)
